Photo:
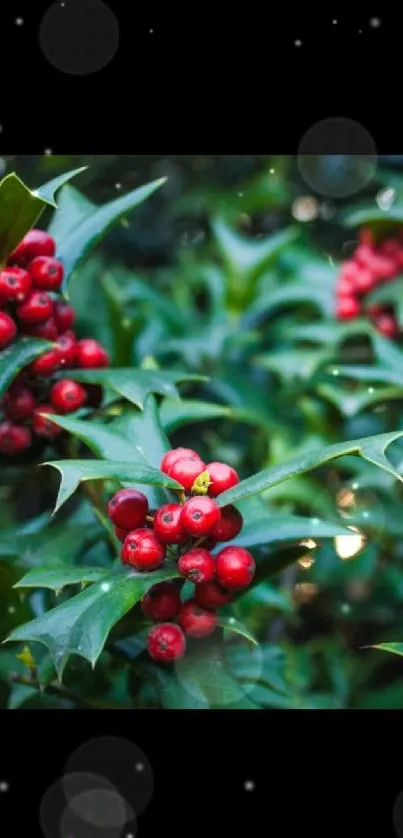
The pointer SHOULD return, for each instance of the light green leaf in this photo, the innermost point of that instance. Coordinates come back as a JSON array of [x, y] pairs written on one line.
[[74, 472], [230, 624], [370, 448], [21, 208], [90, 229], [101, 439], [246, 257], [136, 385], [371, 214], [17, 356], [175, 413], [72, 208], [81, 625], [59, 577]]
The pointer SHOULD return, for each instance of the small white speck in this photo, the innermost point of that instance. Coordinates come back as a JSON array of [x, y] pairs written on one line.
[[315, 522], [19, 21], [151, 31], [249, 785], [4, 786], [48, 152], [371, 390], [334, 22], [355, 486], [105, 586], [240, 194], [231, 621], [298, 43], [11, 609], [139, 766], [360, 31], [118, 185], [335, 372], [375, 22], [365, 514], [271, 171]]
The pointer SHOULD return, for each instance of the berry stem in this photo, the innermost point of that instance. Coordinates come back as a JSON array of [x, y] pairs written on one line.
[[150, 519], [198, 542]]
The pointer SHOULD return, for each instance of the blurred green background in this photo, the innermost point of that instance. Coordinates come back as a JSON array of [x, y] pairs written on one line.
[[229, 270]]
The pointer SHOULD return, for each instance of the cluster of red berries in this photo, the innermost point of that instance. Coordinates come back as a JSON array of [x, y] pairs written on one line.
[[370, 266], [29, 306], [185, 532]]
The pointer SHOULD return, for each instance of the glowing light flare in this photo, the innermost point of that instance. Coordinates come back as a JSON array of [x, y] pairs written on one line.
[[348, 546]]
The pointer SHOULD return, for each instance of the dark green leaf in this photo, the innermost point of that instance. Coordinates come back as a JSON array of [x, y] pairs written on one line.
[[136, 385], [17, 356], [73, 472], [22, 207], [101, 439], [90, 229], [278, 528], [58, 578], [81, 625], [371, 449]]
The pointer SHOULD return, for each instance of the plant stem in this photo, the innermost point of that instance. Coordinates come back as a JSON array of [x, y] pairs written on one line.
[[52, 689]]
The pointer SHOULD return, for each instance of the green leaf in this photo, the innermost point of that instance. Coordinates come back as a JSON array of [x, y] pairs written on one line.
[[144, 428], [371, 214], [72, 208], [59, 577], [136, 385], [279, 528], [17, 356], [370, 448], [101, 439], [21, 208], [175, 413], [73, 247], [246, 257], [394, 648], [230, 624], [203, 672], [81, 625], [74, 472]]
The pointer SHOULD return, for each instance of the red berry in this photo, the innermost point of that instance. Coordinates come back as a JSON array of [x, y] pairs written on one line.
[[344, 288], [36, 308], [162, 602], [168, 527], [387, 326], [90, 354], [366, 236], [67, 396], [212, 595], [121, 534], [375, 310], [128, 509], [348, 308], [19, 403], [383, 266], [47, 330], [35, 243], [14, 439], [196, 621], [64, 316], [142, 550], [166, 643], [229, 526], [349, 271], [8, 329], [185, 471], [200, 515], [45, 427], [364, 256], [47, 364], [15, 284], [46, 273], [177, 454], [365, 281], [222, 478], [197, 565], [235, 568], [67, 349]]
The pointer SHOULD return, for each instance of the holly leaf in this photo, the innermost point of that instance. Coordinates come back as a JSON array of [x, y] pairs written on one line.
[[372, 449], [57, 578], [278, 528], [136, 385], [102, 440], [22, 207], [17, 356], [393, 648], [245, 257], [74, 472], [89, 230], [234, 626], [81, 625]]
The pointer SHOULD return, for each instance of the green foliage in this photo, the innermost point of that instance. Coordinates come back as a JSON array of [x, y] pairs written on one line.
[[227, 345]]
